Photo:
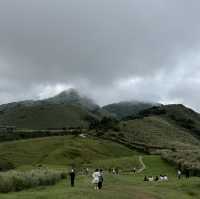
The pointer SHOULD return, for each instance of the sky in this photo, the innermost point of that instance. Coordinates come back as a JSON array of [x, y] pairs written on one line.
[[109, 50]]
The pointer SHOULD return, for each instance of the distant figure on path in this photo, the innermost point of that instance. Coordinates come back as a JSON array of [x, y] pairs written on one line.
[[114, 171], [72, 177], [156, 178], [117, 171], [86, 171], [151, 179], [179, 173], [95, 179], [146, 179], [161, 177], [165, 178], [100, 183]]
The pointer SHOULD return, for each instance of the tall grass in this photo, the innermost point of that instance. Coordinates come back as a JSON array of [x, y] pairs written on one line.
[[17, 181]]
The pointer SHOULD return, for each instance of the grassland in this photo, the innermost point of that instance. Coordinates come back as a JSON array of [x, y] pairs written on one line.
[[120, 187], [63, 151], [158, 131]]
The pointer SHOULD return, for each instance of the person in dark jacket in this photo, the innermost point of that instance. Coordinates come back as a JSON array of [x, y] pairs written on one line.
[[72, 177], [100, 183]]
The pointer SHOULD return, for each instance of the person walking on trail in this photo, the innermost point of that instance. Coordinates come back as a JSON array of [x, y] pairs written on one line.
[[72, 177], [95, 179], [100, 183], [86, 171], [179, 174]]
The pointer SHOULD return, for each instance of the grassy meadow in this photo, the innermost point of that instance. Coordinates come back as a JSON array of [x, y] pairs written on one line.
[[62, 151], [127, 186]]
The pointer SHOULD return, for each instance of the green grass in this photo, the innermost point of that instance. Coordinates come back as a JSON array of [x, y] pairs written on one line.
[[156, 130], [119, 187], [62, 151], [123, 163]]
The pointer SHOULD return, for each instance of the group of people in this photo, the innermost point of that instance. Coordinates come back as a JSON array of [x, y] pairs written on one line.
[[97, 178], [157, 178]]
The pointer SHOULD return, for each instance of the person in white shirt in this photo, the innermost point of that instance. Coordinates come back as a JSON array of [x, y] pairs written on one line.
[[95, 179], [179, 174], [161, 177], [165, 178], [151, 179]]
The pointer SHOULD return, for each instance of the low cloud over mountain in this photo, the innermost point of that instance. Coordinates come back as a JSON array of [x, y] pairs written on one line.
[[109, 50]]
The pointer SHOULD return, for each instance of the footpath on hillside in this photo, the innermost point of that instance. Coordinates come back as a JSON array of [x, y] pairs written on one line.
[[143, 166]]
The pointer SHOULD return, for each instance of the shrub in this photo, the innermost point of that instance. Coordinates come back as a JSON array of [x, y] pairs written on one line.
[[17, 181]]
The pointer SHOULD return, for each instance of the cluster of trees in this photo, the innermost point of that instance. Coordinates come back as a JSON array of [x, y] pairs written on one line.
[[28, 134], [106, 123]]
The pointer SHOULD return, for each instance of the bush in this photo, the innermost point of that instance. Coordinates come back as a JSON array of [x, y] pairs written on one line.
[[17, 181]]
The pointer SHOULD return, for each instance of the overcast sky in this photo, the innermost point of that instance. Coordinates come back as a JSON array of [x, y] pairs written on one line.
[[110, 50]]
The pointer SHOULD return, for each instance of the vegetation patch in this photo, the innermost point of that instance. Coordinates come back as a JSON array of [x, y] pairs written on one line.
[[17, 181]]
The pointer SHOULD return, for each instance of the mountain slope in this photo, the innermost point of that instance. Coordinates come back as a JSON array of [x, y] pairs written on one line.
[[172, 131], [124, 109], [68, 109], [63, 151]]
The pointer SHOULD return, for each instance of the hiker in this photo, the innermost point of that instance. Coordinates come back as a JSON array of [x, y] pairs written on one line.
[[86, 171], [151, 179], [165, 178], [134, 170], [100, 183], [117, 171], [156, 178], [179, 173], [114, 171], [145, 179], [95, 179], [161, 177], [72, 177]]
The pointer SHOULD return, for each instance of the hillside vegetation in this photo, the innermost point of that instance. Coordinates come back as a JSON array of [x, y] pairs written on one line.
[[172, 131], [66, 110], [63, 151], [124, 109], [120, 187]]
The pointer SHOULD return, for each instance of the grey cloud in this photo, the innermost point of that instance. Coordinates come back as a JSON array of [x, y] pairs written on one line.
[[94, 45]]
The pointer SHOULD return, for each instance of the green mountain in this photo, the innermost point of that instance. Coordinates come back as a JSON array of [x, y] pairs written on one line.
[[172, 131], [67, 109], [124, 109]]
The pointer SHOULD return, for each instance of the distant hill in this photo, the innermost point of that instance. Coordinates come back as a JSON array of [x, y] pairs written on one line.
[[177, 114], [124, 109], [67, 109], [172, 131]]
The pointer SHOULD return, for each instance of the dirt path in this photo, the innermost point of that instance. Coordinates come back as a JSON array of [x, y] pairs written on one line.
[[143, 166]]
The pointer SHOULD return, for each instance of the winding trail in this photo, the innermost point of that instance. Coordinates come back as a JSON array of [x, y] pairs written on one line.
[[142, 163]]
